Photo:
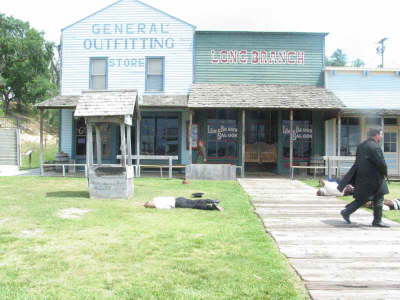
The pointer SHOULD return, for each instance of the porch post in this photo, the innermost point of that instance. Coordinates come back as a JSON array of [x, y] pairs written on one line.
[[383, 133], [291, 144], [339, 134], [243, 142], [98, 144], [339, 138], [89, 143], [129, 141], [190, 136], [138, 144], [123, 144], [41, 155]]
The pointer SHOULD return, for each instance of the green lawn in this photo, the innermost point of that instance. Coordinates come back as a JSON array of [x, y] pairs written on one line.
[[49, 154], [394, 188], [120, 250]]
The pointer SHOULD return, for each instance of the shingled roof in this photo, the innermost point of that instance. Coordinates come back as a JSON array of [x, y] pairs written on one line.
[[59, 102], [165, 100], [106, 103], [262, 96]]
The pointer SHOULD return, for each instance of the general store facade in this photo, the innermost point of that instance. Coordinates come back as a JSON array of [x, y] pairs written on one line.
[[238, 93]]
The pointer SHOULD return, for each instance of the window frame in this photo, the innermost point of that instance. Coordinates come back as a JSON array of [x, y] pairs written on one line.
[[91, 59], [155, 137], [346, 125], [147, 90]]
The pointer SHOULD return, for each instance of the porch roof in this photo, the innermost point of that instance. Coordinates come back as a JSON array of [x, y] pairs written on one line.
[[106, 103], [59, 102], [262, 96], [165, 100], [371, 111]]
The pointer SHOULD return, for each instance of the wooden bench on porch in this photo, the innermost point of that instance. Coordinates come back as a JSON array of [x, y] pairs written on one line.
[[169, 158]]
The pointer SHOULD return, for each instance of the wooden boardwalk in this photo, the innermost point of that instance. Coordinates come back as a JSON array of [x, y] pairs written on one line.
[[336, 260]]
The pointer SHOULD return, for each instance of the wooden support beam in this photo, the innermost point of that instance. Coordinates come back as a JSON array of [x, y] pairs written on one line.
[[129, 142], [98, 145], [138, 121], [339, 140], [190, 136], [383, 133], [41, 155], [339, 133], [89, 143], [243, 142], [123, 144], [291, 143]]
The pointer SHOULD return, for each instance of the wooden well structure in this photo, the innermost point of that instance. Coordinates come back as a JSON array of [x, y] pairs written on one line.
[[109, 181]]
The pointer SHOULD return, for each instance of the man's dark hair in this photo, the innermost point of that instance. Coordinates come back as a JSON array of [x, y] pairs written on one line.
[[373, 132]]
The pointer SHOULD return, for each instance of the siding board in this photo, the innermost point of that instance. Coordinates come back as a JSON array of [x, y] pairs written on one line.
[[308, 73], [376, 90]]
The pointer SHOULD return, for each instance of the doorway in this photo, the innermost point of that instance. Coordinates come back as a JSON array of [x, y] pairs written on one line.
[[261, 141]]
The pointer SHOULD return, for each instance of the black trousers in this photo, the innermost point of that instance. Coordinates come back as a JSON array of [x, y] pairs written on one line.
[[205, 204], [377, 201]]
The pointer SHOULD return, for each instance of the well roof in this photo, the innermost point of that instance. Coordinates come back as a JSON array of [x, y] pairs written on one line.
[[106, 103]]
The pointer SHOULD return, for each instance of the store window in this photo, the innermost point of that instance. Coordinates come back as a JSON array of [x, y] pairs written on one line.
[[222, 135], [80, 138], [98, 73], [154, 74], [302, 134], [390, 121], [390, 142], [350, 136], [160, 135]]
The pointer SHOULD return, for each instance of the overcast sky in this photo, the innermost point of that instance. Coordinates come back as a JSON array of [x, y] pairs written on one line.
[[353, 26]]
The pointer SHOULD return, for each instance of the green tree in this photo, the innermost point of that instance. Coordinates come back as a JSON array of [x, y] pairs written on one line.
[[358, 63], [26, 64], [337, 59]]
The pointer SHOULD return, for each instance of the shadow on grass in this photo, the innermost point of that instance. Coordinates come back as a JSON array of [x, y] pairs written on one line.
[[68, 194]]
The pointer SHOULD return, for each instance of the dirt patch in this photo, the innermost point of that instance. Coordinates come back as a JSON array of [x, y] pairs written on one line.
[[72, 213], [2, 221], [29, 233]]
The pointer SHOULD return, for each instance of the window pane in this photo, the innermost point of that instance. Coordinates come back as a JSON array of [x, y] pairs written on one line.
[[98, 82], [154, 83], [99, 67], [155, 66]]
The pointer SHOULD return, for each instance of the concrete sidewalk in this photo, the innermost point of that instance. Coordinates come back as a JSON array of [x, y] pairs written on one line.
[[336, 260]]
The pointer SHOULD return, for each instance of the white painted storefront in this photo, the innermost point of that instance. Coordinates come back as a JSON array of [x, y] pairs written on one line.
[[127, 35], [372, 97]]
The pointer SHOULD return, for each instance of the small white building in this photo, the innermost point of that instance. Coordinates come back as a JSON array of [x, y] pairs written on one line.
[[372, 99]]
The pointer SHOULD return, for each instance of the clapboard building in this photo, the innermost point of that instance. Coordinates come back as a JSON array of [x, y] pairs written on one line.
[[234, 97], [372, 100]]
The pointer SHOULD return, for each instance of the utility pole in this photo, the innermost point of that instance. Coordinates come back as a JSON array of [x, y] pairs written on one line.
[[380, 50]]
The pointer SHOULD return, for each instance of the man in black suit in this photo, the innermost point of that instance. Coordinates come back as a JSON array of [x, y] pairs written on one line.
[[367, 175]]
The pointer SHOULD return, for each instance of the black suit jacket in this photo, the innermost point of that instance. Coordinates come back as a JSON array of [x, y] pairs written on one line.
[[368, 173]]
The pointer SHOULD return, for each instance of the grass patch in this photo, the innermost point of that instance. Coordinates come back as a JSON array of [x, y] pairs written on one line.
[[49, 154], [120, 250], [394, 189]]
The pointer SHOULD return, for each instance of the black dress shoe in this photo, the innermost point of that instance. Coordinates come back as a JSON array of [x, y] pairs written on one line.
[[345, 216], [381, 224]]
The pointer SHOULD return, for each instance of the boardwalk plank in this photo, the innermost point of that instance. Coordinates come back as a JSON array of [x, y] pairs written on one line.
[[336, 260]]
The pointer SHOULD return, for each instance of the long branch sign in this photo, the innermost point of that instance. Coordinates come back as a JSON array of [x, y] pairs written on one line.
[[257, 57]]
